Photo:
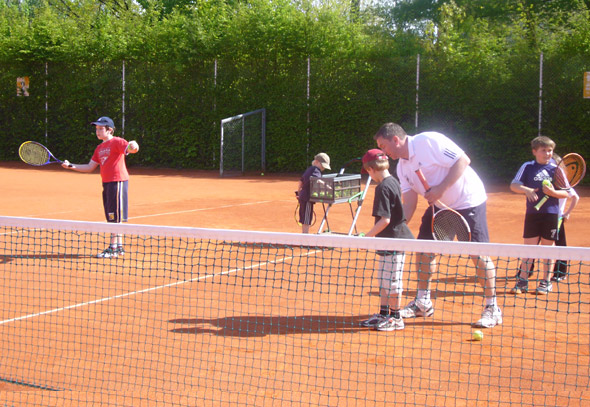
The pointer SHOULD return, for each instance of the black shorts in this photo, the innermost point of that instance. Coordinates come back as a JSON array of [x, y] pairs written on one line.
[[540, 225], [476, 218], [114, 200], [306, 212]]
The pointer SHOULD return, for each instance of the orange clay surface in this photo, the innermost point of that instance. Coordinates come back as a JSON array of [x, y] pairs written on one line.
[[267, 203]]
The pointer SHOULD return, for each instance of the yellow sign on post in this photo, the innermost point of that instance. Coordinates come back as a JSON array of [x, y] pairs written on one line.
[[586, 85]]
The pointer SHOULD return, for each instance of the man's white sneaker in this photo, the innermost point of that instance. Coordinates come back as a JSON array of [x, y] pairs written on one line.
[[490, 317], [417, 308]]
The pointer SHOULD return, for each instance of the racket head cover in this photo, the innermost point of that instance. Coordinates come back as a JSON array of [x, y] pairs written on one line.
[[573, 167]]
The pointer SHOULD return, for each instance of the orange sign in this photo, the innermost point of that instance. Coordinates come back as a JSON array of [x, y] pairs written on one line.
[[22, 86], [586, 85]]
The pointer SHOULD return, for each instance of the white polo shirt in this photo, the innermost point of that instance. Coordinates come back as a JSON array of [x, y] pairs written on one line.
[[435, 154]]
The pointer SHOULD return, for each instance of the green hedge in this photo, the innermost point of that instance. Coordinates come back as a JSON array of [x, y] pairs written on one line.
[[174, 111]]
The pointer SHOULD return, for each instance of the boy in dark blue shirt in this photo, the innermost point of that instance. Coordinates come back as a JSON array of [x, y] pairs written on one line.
[[320, 163], [540, 226]]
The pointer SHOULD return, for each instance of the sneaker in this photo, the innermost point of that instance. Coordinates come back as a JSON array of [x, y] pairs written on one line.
[[374, 320], [544, 288], [390, 324], [521, 287], [557, 277], [109, 252], [490, 317], [413, 310], [120, 251]]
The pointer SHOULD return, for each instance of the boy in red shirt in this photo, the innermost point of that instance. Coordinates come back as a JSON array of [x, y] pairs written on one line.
[[110, 156]]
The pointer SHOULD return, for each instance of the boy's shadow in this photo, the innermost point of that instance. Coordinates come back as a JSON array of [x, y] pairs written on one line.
[[4, 258], [259, 326]]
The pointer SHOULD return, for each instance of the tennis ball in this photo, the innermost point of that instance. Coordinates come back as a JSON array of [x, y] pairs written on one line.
[[546, 182], [261, 174], [477, 335]]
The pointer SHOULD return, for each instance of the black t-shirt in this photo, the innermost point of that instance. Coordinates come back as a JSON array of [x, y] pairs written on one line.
[[388, 204]]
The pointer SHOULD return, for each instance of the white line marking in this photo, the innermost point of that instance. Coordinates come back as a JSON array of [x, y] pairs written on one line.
[[205, 277]]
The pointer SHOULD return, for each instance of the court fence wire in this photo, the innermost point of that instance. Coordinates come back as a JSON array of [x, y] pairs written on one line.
[[192, 316]]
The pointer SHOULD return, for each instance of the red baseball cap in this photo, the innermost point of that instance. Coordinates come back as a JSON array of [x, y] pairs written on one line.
[[374, 154]]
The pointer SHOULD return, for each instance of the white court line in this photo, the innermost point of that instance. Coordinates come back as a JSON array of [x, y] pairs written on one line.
[[205, 277]]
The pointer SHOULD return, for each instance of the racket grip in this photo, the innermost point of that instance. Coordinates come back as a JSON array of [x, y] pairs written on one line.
[[541, 202]]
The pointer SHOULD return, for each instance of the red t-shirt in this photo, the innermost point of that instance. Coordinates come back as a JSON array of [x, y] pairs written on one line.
[[110, 155]]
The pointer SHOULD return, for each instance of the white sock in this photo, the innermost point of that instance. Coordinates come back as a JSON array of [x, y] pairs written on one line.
[[423, 295]]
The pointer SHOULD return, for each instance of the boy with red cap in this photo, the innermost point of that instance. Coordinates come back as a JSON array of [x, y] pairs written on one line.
[[389, 222]]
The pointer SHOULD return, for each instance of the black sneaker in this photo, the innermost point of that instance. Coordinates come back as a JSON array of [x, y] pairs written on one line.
[[521, 287], [374, 321]]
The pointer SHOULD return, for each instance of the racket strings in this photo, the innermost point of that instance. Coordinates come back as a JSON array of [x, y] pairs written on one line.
[[561, 177], [448, 225], [33, 154]]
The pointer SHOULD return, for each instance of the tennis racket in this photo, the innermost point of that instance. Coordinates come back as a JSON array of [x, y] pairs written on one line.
[[37, 154], [570, 170], [296, 215], [447, 223]]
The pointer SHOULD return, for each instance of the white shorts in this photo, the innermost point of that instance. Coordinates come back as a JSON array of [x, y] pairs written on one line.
[[391, 269]]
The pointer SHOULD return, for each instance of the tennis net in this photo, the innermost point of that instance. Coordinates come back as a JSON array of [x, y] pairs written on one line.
[[193, 316]]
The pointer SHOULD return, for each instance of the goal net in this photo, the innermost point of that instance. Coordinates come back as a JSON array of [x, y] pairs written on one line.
[[243, 143]]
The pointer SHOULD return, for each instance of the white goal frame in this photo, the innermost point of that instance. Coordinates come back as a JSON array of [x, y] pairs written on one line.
[[241, 119]]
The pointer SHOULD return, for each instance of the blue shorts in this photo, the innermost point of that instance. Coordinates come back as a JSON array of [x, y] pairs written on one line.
[[114, 200], [476, 218]]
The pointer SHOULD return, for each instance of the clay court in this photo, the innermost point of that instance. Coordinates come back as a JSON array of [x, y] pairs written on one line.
[[529, 360]]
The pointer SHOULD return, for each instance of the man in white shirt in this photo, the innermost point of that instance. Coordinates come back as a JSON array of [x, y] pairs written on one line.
[[455, 184]]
